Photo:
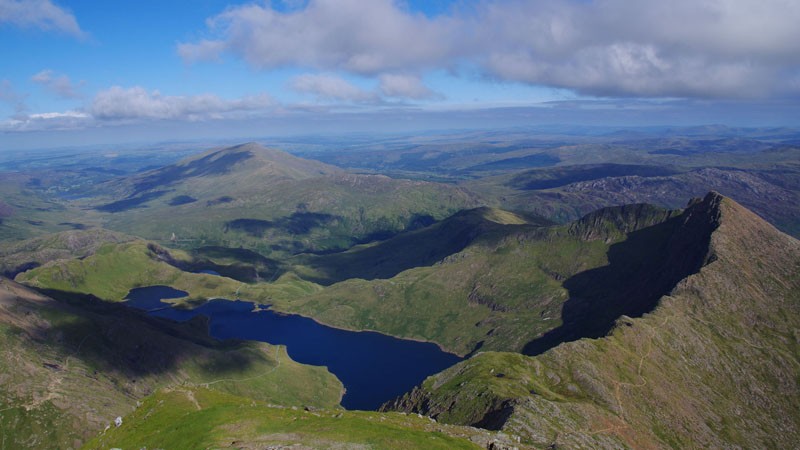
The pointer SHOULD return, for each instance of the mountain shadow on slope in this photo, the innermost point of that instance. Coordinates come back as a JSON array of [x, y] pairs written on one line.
[[240, 264], [131, 202], [181, 200], [116, 339], [216, 163], [641, 269], [421, 247]]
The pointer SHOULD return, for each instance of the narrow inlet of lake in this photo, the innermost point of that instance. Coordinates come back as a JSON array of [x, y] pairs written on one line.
[[373, 367]]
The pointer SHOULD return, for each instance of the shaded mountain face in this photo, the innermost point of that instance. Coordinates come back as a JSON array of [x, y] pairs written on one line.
[[416, 248], [641, 269], [713, 365]]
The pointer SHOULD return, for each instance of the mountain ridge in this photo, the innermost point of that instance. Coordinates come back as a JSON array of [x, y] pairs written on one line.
[[680, 376]]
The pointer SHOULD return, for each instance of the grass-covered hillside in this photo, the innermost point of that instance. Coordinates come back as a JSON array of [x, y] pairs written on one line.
[[70, 366], [481, 279], [268, 201], [202, 418], [19, 256], [713, 366]]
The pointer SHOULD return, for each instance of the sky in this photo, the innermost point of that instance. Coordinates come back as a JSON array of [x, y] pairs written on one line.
[[89, 72]]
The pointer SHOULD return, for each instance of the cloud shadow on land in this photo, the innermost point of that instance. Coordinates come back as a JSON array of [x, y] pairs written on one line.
[[298, 223]]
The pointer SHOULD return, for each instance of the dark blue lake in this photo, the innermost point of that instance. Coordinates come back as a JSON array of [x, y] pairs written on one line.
[[373, 367]]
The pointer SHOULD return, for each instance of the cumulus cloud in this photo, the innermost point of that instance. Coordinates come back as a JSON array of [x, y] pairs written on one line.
[[47, 121], [41, 14], [353, 35], [649, 48], [331, 87], [61, 85], [118, 103], [405, 86]]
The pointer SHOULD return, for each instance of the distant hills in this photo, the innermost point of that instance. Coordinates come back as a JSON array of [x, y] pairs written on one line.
[[597, 305], [268, 200], [714, 287], [567, 192]]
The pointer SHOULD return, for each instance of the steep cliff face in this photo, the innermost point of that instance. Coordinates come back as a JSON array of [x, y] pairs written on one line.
[[714, 365], [658, 249]]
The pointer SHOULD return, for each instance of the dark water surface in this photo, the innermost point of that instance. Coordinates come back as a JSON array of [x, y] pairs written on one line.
[[373, 367]]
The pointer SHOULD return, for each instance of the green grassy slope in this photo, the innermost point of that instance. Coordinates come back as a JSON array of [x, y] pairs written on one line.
[[417, 248], [500, 292], [714, 366], [18, 256], [115, 269], [201, 418], [70, 367], [481, 278]]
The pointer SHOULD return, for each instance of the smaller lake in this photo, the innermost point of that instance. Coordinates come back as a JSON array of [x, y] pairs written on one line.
[[373, 367]]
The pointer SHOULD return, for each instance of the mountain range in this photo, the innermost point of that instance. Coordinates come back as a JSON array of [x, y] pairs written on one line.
[[630, 325]]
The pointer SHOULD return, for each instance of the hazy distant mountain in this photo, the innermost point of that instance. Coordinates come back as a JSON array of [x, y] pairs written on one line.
[[268, 200]]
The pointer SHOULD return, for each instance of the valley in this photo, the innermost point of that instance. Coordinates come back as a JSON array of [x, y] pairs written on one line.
[[580, 289]]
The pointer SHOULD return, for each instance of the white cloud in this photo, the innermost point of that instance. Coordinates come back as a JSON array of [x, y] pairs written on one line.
[[118, 103], [61, 85], [364, 37], [60, 115], [331, 87], [68, 120], [405, 86], [41, 14], [653, 48]]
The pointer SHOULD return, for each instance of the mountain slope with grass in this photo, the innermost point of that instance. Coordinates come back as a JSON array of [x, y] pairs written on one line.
[[203, 418], [269, 201], [484, 278], [19, 256], [70, 366], [515, 282], [714, 365]]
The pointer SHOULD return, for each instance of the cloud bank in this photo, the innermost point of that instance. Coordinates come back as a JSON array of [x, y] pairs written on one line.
[[636, 48], [40, 14], [118, 103]]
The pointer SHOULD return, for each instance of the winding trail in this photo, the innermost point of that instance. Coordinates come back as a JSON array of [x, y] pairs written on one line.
[[619, 384]]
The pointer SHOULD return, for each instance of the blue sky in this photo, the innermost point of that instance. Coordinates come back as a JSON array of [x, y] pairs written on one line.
[[91, 72]]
